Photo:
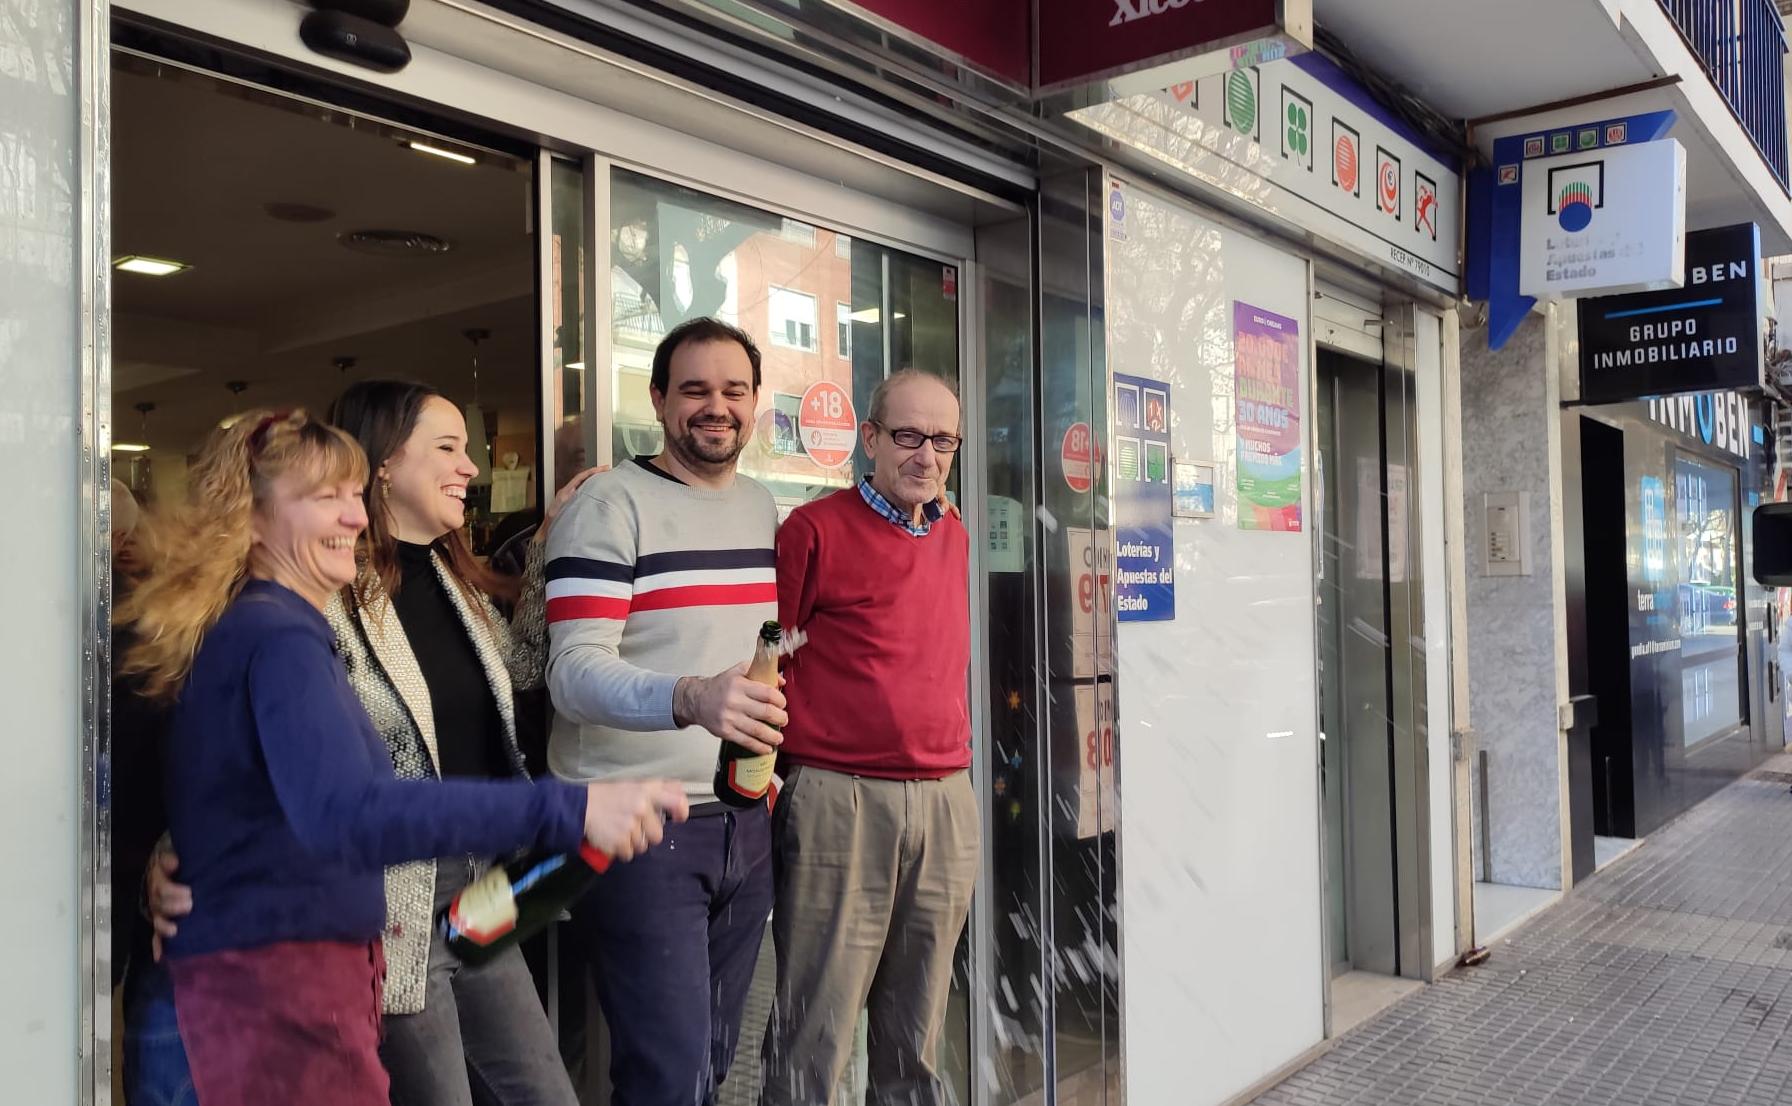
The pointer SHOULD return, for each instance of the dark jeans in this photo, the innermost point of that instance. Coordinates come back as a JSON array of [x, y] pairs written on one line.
[[155, 1062], [482, 1036], [674, 937]]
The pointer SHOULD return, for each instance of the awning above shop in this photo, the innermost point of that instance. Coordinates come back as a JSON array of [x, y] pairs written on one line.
[[1300, 140], [1527, 65]]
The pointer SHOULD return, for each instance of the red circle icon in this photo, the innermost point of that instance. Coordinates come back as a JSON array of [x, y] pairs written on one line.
[[1344, 163], [827, 424], [1076, 455], [1390, 187]]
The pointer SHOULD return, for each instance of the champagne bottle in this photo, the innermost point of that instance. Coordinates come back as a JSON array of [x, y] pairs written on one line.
[[743, 778], [514, 901]]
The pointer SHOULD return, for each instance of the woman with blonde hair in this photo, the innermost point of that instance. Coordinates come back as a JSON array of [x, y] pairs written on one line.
[[282, 802]]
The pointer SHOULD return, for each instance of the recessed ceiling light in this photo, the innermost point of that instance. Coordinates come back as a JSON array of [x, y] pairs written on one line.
[[394, 243], [425, 148], [150, 266], [129, 447]]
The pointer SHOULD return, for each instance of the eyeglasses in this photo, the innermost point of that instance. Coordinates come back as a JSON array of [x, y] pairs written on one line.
[[910, 438]]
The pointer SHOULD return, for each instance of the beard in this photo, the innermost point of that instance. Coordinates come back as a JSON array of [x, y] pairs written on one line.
[[693, 449]]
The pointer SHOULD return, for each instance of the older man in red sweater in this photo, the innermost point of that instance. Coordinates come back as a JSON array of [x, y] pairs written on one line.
[[875, 834]]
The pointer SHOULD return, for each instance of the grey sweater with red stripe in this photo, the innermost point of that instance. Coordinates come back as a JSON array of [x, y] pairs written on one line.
[[648, 580]]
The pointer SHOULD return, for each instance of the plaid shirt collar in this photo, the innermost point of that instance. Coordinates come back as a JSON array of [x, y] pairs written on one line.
[[930, 512]]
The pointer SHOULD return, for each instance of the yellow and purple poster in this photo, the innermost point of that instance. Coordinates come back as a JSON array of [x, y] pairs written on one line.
[[1266, 359]]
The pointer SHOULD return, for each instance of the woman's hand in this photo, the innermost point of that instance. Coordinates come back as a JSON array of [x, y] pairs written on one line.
[[625, 818], [164, 899], [562, 498]]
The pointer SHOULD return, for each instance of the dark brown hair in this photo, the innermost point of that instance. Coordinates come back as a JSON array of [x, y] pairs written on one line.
[[381, 415], [696, 332]]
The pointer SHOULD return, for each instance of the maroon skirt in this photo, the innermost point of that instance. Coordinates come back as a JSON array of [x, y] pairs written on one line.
[[294, 1022]]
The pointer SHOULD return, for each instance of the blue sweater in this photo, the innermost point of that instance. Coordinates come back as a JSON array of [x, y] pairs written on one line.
[[281, 797]]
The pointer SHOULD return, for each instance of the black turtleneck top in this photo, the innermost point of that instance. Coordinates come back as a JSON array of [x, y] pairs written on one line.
[[468, 731]]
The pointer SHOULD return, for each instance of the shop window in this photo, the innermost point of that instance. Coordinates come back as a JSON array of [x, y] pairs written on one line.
[[1709, 598], [792, 319], [801, 233], [677, 253]]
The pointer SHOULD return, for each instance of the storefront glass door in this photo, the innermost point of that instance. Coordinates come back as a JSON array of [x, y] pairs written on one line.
[[833, 314], [1372, 699], [1354, 668]]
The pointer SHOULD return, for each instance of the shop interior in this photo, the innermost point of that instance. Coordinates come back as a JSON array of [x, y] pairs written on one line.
[[313, 249]]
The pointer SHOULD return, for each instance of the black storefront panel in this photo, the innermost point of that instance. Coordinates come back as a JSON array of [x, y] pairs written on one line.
[[1692, 725], [1706, 336]]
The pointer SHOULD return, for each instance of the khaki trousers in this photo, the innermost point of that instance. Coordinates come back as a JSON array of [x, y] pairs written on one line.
[[874, 883]]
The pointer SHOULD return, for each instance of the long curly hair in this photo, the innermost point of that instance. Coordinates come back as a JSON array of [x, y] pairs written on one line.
[[197, 552]]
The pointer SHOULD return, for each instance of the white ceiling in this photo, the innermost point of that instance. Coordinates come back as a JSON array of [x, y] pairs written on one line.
[[1470, 61], [271, 303]]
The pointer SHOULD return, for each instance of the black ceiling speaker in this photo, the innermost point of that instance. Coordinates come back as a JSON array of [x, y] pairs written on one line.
[[387, 13], [355, 40]]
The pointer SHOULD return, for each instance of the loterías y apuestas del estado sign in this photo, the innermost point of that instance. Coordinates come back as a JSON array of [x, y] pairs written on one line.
[[1704, 336]]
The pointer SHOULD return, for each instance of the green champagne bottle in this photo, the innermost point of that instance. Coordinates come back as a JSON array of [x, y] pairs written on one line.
[[743, 778], [516, 900]]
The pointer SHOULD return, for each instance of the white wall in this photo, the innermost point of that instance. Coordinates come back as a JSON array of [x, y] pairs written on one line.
[[1510, 444], [40, 646], [1428, 366], [1220, 825]]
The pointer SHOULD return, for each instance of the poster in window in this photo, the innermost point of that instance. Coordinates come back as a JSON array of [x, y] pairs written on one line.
[[1266, 354], [1145, 532]]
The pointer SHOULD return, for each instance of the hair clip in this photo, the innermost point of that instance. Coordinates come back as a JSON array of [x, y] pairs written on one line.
[[258, 436]]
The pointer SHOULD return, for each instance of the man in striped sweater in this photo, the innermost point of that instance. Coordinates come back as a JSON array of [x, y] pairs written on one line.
[[660, 572]]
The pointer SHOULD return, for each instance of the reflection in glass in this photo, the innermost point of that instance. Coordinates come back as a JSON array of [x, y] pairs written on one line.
[[832, 316], [1009, 991], [1705, 555], [676, 254], [567, 299]]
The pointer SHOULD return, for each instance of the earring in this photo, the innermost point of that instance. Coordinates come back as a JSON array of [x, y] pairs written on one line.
[[385, 487]]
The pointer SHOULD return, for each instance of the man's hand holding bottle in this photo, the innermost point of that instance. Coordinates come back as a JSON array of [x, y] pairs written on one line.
[[733, 707]]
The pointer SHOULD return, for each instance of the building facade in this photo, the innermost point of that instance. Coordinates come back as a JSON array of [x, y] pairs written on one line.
[[1252, 714]]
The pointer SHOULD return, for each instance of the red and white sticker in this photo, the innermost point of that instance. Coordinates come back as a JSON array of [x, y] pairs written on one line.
[[827, 424], [1077, 456], [949, 283]]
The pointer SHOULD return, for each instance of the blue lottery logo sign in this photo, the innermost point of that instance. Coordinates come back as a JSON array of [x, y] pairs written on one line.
[[1576, 191], [1603, 222]]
